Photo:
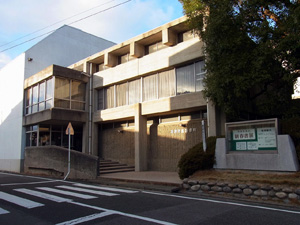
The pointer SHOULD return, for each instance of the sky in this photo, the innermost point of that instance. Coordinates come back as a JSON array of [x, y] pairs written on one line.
[[115, 20]]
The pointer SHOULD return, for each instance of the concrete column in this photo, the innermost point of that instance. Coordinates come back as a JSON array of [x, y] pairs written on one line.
[[140, 140], [211, 119], [110, 60]]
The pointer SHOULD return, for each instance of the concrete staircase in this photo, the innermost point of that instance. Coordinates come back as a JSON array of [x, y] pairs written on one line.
[[108, 166]]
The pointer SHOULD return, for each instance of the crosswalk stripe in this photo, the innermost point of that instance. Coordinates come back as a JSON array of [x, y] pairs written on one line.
[[86, 218], [83, 196], [88, 191], [43, 195], [3, 211], [106, 188], [19, 201]]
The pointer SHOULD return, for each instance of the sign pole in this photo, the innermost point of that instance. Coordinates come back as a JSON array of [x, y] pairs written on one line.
[[204, 136], [69, 131]]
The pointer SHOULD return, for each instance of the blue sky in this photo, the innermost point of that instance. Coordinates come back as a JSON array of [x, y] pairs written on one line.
[[116, 23]]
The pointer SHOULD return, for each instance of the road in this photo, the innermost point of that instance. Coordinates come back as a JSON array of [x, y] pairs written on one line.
[[36, 200]]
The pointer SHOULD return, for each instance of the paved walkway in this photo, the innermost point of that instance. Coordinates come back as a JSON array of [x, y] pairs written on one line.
[[154, 177]]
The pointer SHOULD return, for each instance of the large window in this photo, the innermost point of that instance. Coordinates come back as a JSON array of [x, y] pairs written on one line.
[[68, 94], [39, 97], [182, 80], [190, 78]]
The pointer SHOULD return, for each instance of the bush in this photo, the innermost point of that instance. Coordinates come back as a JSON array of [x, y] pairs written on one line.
[[196, 159], [291, 127]]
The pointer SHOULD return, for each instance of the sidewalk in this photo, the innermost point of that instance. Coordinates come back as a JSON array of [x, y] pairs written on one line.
[[150, 180]]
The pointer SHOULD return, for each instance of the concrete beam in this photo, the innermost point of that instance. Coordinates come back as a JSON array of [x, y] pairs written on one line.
[[169, 37], [110, 60], [137, 50]]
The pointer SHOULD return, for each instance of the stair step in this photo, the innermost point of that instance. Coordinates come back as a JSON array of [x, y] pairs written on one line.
[[117, 171], [116, 168], [109, 166]]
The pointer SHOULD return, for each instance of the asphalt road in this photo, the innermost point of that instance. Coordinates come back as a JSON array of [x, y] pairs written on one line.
[[35, 200]]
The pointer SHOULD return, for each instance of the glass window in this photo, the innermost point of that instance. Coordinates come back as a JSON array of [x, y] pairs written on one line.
[[49, 91], [166, 83], [78, 90], [28, 103], [150, 87], [185, 79], [62, 88], [121, 94], [109, 97], [35, 94], [200, 74], [42, 96], [100, 99], [134, 91]]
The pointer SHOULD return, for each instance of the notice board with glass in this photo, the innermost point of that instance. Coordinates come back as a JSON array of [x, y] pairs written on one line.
[[252, 135]]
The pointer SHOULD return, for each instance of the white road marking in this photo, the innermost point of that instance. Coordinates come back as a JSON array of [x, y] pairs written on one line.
[[86, 218], [124, 214], [43, 195], [224, 202], [74, 194], [3, 211], [106, 188], [19, 201], [87, 191]]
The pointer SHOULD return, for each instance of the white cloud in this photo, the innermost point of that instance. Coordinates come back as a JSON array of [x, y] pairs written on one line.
[[4, 59]]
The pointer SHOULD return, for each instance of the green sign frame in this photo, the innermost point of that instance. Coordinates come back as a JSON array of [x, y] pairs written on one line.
[[258, 135]]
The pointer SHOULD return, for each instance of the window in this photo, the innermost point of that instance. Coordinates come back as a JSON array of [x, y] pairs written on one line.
[[190, 78], [185, 79], [185, 36], [121, 94], [134, 89], [166, 84], [69, 94], [154, 47], [109, 97], [39, 97], [150, 88], [77, 95], [62, 93]]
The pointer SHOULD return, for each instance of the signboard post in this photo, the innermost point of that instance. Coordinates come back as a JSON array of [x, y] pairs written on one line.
[[204, 136], [69, 132]]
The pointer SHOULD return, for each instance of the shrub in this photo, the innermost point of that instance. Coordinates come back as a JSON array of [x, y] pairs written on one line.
[[196, 159]]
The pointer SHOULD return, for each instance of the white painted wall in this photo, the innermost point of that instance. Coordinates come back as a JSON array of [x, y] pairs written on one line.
[[11, 108]]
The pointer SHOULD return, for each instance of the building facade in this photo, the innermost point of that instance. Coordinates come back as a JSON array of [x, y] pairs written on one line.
[[63, 47], [139, 102]]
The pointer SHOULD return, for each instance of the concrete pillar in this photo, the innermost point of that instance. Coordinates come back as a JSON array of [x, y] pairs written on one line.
[[211, 119], [140, 140]]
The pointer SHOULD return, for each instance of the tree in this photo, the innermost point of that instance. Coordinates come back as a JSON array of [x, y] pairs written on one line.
[[252, 53]]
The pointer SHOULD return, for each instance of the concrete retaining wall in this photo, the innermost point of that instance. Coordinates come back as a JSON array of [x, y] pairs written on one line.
[[53, 160]]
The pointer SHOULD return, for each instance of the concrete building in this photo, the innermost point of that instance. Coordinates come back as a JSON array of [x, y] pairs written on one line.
[[63, 47], [139, 102]]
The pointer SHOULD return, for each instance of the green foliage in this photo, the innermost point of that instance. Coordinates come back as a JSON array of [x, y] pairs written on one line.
[[196, 159], [291, 126], [253, 50]]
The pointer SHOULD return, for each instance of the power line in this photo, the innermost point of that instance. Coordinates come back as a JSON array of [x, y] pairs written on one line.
[[101, 11]]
